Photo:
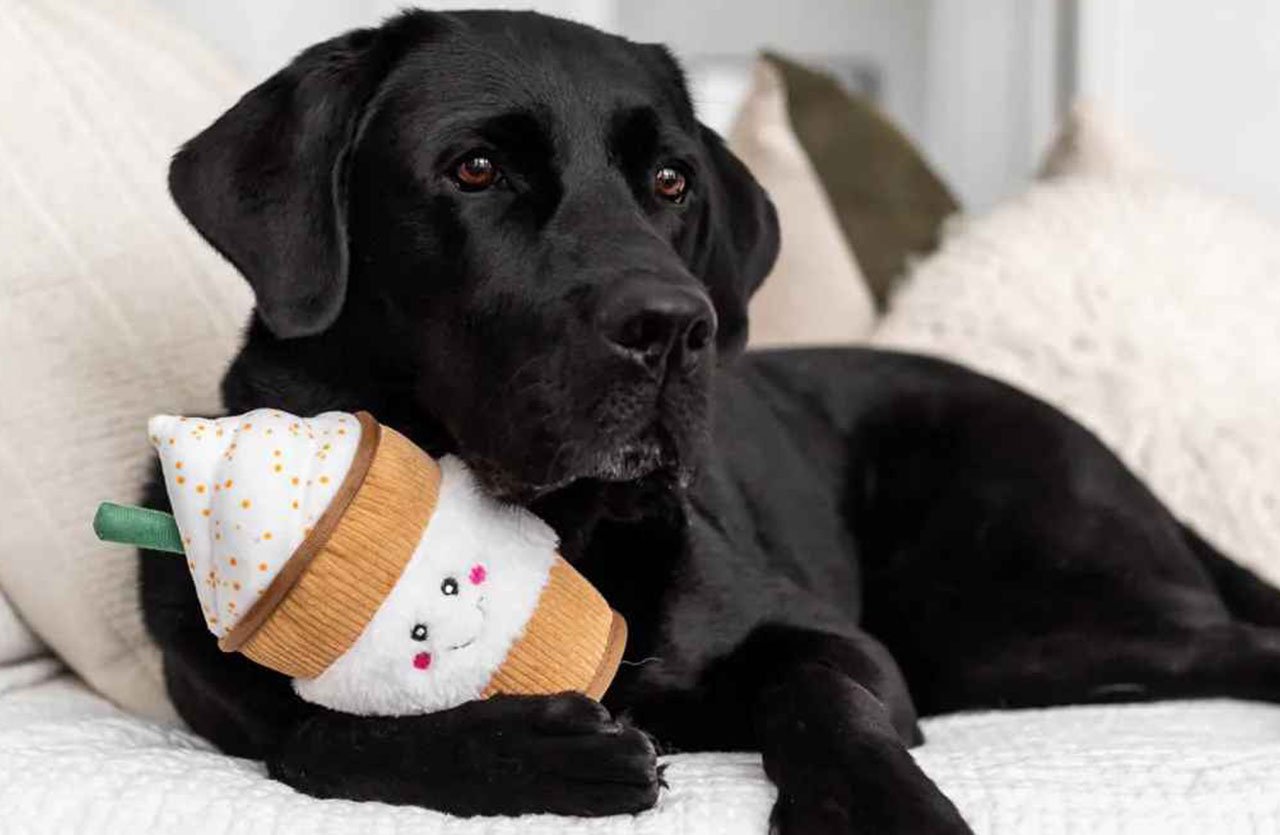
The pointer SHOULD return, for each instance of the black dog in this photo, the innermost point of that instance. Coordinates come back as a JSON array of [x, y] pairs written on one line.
[[507, 236]]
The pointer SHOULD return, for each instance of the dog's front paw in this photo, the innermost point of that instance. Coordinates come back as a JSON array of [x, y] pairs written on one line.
[[565, 754], [508, 755], [836, 802], [841, 767]]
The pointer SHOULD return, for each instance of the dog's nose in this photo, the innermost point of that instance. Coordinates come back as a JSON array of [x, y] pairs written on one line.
[[657, 324]]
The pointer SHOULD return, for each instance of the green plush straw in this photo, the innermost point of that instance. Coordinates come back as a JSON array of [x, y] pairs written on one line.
[[154, 530]]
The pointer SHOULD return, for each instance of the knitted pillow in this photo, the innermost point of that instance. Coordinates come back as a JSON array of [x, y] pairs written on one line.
[[1144, 308]]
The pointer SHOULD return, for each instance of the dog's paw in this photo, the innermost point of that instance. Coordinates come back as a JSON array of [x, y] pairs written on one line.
[[837, 802], [563, 754], [508, 755]]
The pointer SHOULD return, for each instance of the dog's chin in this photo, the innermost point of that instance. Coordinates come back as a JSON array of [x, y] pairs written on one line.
[[634, 458], [653, 451]]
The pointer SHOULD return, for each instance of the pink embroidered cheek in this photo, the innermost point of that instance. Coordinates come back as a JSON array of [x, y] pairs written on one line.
[[422, 660], [478, 574]]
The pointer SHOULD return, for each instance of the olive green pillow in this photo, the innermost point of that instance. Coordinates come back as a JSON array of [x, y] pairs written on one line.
[[889, 202]]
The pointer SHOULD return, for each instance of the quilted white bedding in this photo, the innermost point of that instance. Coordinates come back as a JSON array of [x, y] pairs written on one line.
[[70, 762]]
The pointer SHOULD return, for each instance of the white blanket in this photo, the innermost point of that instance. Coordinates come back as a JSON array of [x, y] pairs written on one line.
[[70, 762]]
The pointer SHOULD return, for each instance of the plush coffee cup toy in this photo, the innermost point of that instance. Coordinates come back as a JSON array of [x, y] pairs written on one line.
[[334, 550]]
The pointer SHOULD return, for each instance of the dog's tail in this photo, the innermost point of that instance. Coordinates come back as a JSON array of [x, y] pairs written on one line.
[[1248, 596]]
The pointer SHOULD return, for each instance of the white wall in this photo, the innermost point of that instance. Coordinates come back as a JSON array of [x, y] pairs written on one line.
[[992, 93], [1197, 82]]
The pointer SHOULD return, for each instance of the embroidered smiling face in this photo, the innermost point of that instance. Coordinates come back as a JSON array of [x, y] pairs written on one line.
[[455, 621], [464, 598]]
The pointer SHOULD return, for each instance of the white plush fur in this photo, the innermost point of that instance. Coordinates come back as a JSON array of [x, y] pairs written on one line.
[[470, 633], [1145, 309]]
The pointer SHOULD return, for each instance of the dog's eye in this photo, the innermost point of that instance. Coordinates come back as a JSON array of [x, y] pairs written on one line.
[[670, 183], [419, 632], [476, 172], [449, 587]]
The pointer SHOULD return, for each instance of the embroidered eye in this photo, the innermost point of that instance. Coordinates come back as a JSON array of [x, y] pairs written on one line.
[[449, 587], [419, 632]]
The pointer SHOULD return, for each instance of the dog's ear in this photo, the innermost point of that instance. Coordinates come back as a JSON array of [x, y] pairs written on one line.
[[732, 240], [736, 241], [265, 183]]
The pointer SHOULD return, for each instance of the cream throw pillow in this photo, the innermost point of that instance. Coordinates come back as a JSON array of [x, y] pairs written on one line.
[[1144, 308], [111, 309], [1091, 143], [17, 642], [815, 293]]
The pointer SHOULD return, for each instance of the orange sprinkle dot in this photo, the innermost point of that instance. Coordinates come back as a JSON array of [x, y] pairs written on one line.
[[295, 481], [246, 504], [172, 442], [324, 479], [227, 484], [218, 433], [246, 427], [205, 512], [266, 535], [232, 561], [342, 431], [277, 453], [236, 585], [295, 504], [199, 488], [182, 479], [262, 566], [177, 465]]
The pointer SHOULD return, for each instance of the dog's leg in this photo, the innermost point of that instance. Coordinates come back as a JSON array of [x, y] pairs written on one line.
[[1248, 596], [507, 755], [833, 719]]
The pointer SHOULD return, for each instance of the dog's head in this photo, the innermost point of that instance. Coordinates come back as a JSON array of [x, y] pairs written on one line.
[[519, 215]]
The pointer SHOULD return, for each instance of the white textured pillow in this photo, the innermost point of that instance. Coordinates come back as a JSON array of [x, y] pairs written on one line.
[[111, 309], [1144, 308], [815, 294]]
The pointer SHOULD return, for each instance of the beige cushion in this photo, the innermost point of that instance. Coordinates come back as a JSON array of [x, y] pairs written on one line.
[[1144, 308], [111, 309], [1091, 143], [17, 641], [815, 293]]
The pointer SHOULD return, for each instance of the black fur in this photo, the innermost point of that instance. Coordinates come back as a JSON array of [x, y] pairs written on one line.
[[810, 546]]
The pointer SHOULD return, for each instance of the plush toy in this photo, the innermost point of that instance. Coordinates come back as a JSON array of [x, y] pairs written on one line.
[[334, 550]]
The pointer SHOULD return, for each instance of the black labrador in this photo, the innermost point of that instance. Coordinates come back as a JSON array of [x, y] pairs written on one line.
[[507, 236]]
